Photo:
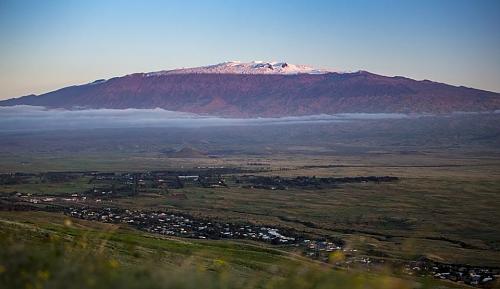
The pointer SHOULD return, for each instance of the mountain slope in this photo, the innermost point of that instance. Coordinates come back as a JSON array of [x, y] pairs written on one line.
[[245, 92]]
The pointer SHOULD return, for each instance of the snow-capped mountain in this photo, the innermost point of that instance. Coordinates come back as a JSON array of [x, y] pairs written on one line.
[[267, 89], [254, 67]]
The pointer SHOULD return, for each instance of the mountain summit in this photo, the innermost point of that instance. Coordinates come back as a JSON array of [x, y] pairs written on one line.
[[238, 67], [270, 89]]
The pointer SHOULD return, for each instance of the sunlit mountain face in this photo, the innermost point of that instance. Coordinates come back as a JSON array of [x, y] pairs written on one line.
[[266, 89]]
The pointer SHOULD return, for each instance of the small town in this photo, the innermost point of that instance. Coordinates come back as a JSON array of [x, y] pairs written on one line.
[[470, 275], [184, 225]]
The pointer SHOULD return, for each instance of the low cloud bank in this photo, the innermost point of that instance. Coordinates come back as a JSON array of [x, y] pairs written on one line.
[[25, 117]]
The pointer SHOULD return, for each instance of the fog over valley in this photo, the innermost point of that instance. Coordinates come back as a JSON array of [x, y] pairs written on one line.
[[25, 117]]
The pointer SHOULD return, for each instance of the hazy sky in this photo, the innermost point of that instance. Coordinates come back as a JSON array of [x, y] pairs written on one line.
[[46, 45]]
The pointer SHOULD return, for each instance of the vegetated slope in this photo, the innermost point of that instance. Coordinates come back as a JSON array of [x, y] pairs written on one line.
[[46, 250], [187, 152]]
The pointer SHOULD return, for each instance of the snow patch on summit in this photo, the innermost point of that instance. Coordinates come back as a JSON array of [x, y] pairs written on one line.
[[237, 67]]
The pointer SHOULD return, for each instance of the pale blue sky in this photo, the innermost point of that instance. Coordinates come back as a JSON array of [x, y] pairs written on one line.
[[45, 45]]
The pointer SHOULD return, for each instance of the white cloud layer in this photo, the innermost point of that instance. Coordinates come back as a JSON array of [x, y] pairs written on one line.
[[25, 117]]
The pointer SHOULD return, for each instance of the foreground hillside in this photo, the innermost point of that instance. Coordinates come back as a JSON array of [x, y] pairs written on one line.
[[226, 92], [46, 250]]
